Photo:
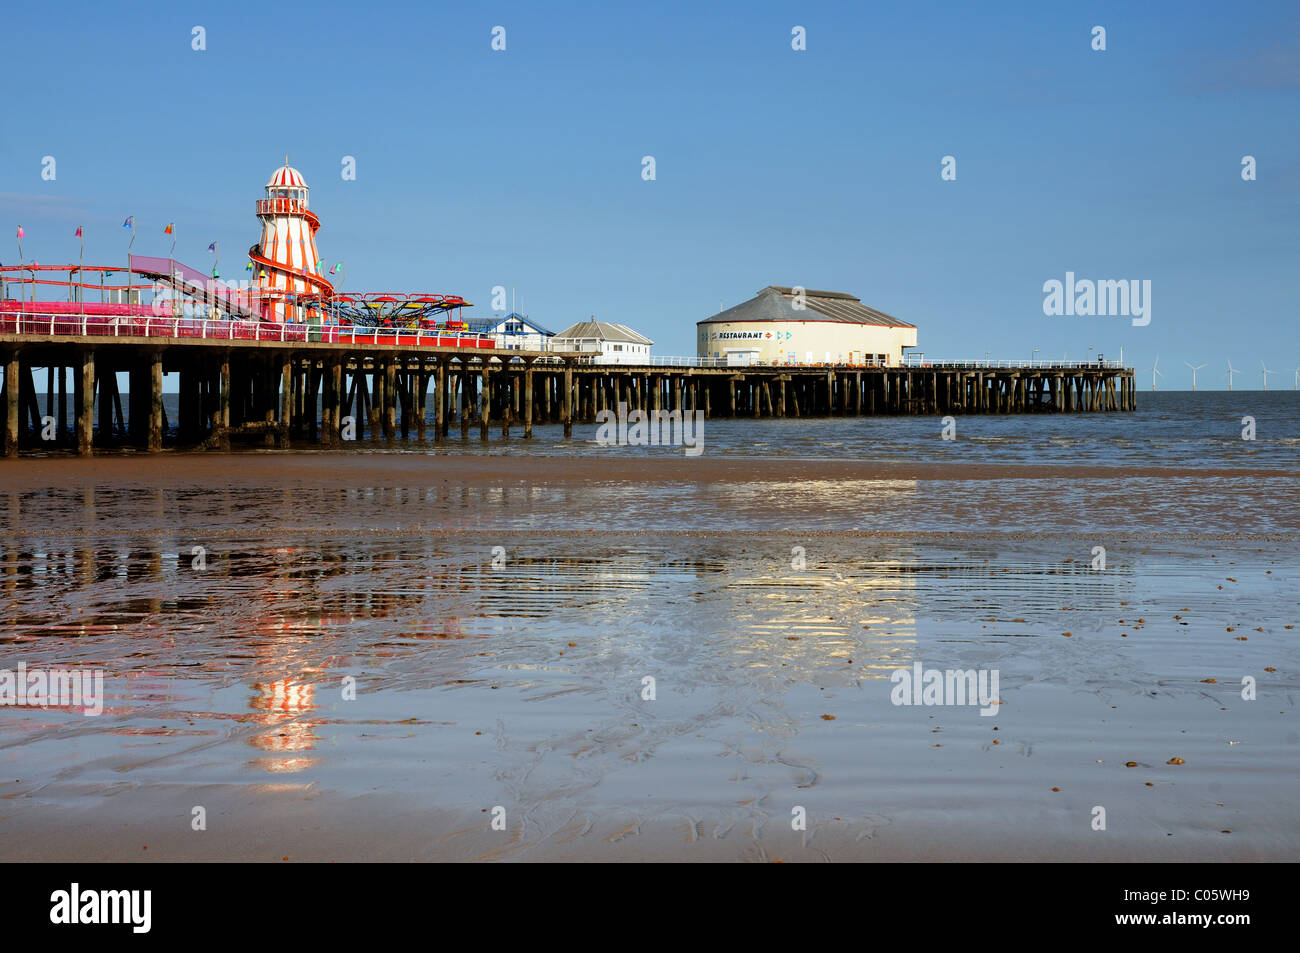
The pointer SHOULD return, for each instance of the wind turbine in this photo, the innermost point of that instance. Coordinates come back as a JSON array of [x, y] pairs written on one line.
[[1155, 372], [1195, 368], [1231, 370], [1265, 373]]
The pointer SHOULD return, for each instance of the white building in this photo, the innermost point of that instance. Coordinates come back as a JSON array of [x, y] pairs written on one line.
[[514, 332], [606, 343], [796, 326]]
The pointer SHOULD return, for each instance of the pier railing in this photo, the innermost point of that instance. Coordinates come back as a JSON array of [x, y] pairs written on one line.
[[914, 361]]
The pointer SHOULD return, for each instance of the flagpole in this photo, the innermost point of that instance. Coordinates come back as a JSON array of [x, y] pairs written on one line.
[[127, 299], [21, 268], [81, 280]]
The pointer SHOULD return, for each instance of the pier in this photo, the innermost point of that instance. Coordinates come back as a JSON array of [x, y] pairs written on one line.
[[272, 384]]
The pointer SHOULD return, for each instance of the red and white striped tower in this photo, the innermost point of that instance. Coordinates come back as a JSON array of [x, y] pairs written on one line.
[[286, 259]]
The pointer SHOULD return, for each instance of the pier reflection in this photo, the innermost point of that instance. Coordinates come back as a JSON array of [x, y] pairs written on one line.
[[282, 706]]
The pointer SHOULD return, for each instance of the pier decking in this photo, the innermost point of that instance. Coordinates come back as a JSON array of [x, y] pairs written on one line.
[[272, 384]]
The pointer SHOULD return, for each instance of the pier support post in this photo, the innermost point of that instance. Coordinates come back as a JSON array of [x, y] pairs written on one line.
[[440, 401], [566, 410], [335, 401], [421, 403], [464, 399], [507, 400], [85, 401], [528, 401], [63, 403], [286, 399], [11, 405], [223, 404], [390, 399], [405, 399], [484, 401], [155, 401]]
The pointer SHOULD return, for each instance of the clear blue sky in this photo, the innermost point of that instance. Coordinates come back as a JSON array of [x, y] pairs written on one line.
[[820, 168]]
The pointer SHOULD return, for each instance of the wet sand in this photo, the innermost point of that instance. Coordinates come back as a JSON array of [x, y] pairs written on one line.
[[326, 469], [520, 685]]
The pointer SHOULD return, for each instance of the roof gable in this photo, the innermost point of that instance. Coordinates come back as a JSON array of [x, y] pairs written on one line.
[[604, 331], [778, 303]]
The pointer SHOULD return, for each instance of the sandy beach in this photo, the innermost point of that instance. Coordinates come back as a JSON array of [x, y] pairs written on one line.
[[769, 609]]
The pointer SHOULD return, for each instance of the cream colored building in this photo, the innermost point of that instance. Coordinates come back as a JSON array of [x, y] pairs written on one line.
[[796, 326], [606, 343]]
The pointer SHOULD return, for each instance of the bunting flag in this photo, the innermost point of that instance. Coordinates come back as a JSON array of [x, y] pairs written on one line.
[[21, 233], [168, 229], [78, 235], [130, 222]]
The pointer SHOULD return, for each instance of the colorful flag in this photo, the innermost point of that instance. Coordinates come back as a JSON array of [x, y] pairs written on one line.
[[248, 267], [78, 235], [320, 265], [336, 267], [21, 233], [130, 222], [168, 229], [212, 247]]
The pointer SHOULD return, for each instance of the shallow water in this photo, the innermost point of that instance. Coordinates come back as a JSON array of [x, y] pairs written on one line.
[[520, 684], [1170, 428]]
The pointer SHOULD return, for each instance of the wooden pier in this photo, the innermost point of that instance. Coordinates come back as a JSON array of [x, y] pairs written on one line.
[[273, 393]]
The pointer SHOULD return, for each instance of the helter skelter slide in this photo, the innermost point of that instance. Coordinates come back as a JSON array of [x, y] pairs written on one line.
[[289, 271], [288, 287]]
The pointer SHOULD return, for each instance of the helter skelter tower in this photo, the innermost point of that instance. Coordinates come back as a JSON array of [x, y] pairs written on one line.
[[286, 261]]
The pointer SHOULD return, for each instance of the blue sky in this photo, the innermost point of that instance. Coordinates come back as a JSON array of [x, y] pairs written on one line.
[[820, 168]]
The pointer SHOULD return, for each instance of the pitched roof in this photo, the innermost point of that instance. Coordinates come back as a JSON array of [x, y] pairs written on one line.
[[777, 303], [603, 331], [495, 322]]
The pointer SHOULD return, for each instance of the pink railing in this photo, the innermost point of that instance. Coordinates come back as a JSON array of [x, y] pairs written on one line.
[[233, 330]]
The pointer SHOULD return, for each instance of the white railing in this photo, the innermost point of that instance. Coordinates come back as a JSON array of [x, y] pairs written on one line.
[[669, 361], [916, 361]]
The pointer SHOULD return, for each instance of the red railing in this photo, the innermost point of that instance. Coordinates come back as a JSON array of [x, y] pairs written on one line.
[[232, 330], [283, 206]]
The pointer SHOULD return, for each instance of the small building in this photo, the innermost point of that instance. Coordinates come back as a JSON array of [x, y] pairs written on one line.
[[606, 343], [783, 325], [514, 332]]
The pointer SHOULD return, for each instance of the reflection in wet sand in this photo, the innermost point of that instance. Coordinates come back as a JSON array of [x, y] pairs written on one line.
[[770, 614], [282, 706]]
